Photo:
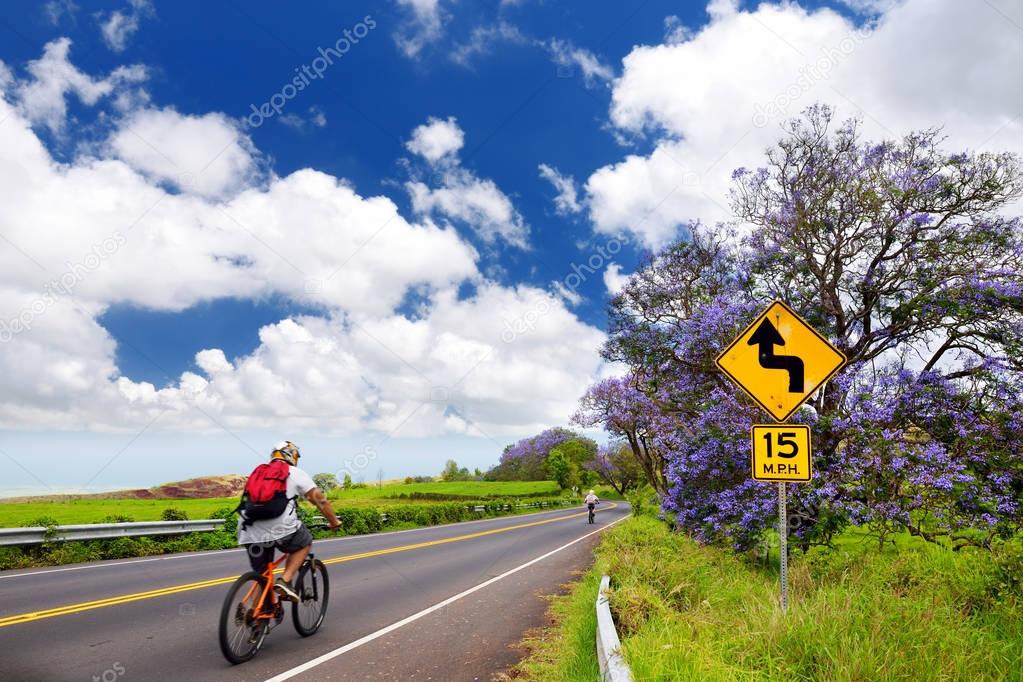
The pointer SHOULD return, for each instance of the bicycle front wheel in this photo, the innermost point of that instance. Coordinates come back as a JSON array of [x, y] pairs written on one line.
[[313, 587], [241, 633]]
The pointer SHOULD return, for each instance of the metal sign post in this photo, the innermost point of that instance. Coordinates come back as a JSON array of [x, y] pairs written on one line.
[[783, 545], [780, 381]]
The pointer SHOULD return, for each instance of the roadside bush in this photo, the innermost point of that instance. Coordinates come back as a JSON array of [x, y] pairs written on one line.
[[116, 518], [359, 520], [223, 513], [45, 521], [13, 557], [218, 540], [122, 548], [644, 501], [172, 514], [68, 553]]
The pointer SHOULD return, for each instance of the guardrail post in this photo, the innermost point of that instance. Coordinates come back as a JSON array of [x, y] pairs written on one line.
[[613, 667]]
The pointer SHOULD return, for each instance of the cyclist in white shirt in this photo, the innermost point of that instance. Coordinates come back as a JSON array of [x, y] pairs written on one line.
[[285, 532]]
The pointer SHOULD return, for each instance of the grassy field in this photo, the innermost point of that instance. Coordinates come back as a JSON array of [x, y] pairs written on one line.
[[95, 511], [688, 612], [467, 489]]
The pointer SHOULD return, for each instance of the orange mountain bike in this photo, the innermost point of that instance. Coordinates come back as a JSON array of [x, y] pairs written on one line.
[[252, 608]]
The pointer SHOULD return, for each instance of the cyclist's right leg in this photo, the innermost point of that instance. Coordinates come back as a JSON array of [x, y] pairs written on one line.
[[260, 555], [297, 545]]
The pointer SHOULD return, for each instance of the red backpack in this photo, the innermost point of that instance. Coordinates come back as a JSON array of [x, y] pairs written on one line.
[[266, 492]]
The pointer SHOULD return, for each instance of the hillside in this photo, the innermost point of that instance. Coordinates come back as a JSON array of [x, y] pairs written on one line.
[[203, 487]]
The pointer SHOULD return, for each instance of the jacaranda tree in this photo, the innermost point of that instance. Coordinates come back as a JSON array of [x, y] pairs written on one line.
[[616, 466], [910, 260], [526, 460]]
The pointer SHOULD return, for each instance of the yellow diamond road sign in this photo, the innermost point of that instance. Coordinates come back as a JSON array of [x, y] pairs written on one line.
[[780, 360], [781, 452]]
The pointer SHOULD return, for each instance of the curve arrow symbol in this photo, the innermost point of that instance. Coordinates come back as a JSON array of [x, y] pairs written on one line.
[[767, 337]]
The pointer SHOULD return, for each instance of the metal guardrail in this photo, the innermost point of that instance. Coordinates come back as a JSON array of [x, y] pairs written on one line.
[[103, 531], [613, 667], [34, 535]]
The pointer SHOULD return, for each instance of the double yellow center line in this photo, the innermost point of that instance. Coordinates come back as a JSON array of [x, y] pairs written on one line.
[[163, 591]]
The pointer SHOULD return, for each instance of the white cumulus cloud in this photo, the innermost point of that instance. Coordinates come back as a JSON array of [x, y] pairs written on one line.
[[207, 155], [43, 97], [614, 279], [715, 100], [119, 26], [436, 138], [424, 24], [567, 200], [569, 56], [458, 194], [115, 225]]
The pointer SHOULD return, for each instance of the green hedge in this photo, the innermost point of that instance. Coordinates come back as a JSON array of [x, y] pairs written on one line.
[[354, 521]]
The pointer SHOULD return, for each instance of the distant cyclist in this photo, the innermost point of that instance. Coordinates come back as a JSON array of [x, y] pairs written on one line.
[[592, 501], [269, 515]]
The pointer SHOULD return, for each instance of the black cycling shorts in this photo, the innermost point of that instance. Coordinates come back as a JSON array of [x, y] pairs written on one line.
[[262, 553]]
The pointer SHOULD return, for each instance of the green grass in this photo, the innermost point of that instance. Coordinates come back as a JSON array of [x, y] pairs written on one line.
[[467, 489], [918, 612], [94, 511], [566, 651]]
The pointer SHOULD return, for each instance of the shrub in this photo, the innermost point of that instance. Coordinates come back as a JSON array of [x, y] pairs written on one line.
[[644, 501], [13, 557], [69, 553], [116, 518], [172, 514], [46, 521]]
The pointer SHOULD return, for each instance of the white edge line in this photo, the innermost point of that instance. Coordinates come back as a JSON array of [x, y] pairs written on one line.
[[308, 665], [189, 555]]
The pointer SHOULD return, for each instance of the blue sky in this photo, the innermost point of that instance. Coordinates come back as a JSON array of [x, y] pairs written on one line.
[[518, 108], [143, 113]]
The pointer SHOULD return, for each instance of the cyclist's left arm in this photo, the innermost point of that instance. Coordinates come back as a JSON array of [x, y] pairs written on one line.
[[305, 486], [320, 501]]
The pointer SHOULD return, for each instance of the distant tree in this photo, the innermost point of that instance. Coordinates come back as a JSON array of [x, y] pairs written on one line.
[[347, 485], [561, 469], [325, 482], [629, 414], [380, 478], [616, 466], [578, 450], [526, 459], [453, 473], [588, 477]]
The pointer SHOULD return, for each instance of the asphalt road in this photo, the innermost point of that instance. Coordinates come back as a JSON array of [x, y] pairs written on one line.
[[440, 603]]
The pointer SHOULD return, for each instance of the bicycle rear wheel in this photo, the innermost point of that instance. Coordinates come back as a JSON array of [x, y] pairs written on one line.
[[241, 633], [313, 587]]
